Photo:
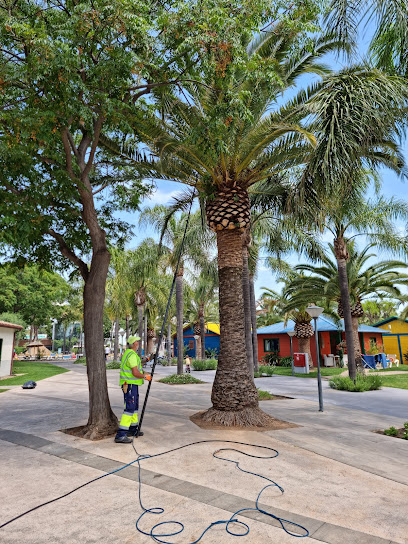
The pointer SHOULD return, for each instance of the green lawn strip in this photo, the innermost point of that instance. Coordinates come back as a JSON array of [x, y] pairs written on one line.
[[400, 381], [32, 371], [284, 371], [3, 390], [403, 368]]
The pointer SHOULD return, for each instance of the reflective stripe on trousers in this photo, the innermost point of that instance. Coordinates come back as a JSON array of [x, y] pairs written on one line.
[[129, 416]]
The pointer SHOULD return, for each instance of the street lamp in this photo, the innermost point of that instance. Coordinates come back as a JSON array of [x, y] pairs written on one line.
[[314, 312], [291, 335], [54, 322], [196, 337]]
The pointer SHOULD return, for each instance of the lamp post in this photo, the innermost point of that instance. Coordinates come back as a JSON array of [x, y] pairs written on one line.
[[314, 312], [196, 337], [54, 322], [291, 335]]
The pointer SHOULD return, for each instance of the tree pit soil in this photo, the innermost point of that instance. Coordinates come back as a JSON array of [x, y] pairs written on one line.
[[275, 424], [400, 433]]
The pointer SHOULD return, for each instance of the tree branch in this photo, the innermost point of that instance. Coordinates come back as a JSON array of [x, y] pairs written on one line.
[[97, 131], [69, 254]]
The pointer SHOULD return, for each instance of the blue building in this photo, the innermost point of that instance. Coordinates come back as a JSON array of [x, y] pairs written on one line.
[[212, 339]]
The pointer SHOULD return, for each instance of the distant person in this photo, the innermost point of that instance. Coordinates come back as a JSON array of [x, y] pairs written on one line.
[[107, 352], [188, 365], [131, 376]]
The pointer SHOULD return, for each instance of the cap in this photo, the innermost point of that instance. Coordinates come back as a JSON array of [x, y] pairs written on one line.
[[132, 339]]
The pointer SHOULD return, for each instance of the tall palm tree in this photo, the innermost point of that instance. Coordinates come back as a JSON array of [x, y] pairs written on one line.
[[364, 280], [222, 139], [351, 136], [196, 243]]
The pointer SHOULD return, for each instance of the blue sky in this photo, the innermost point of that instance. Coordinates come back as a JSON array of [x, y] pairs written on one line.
[[393, 186]]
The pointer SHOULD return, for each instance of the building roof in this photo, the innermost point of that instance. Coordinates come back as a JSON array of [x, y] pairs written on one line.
[[392, 318], [324, 324], [10, 325], [212, 327]]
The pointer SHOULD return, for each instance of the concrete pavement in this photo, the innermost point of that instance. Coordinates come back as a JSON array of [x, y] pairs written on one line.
[[343, 482]]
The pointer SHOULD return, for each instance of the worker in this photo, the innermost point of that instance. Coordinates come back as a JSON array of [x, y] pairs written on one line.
[[131, 376]]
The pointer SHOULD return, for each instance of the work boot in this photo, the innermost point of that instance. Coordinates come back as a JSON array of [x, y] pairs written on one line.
[[123, 440], [133, 430]]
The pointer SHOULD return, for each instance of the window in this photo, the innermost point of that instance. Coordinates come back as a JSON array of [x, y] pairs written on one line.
[[271, 345], [191, 344], [373, 342]]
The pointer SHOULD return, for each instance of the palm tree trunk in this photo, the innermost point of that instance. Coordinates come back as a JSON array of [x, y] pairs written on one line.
[[357, 347], [145, 333], [116, 344], [253, 323], [180, 314], [140, 328], [341, 257], [127, 327], [247, 308], [169, 343], [304, 347], [234, 395], [202, 333], [198, 348]]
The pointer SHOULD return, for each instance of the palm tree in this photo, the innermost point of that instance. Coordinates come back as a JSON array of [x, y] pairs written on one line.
[[351, 136], [378, 279], [196, 242], [222, 139]]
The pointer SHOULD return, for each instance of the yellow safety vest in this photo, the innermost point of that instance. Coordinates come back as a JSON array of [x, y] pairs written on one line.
[[130, 359]]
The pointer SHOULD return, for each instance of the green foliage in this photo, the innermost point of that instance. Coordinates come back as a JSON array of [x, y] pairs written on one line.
[[406, 357], [271, 358], [392, 431], [19, 351], [285, 362], [207, 364], [211, 353], [31, 370], [362, 383], [399, 381], [113, 365], [80, 361], [180, 379], [264, 395]]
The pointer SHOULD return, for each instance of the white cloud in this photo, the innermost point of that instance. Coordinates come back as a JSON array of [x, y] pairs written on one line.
[[159, 196]]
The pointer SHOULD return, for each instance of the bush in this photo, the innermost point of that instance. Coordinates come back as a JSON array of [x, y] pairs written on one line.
[[19, 351], [211, 353], [80, 361], [180, 379], [112, 365], [362, 383], [271, 358], [392, 431], [208, 364], [266, 370], [285, 362]]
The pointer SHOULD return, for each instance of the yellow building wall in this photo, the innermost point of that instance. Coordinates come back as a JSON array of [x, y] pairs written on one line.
[[391, 345]]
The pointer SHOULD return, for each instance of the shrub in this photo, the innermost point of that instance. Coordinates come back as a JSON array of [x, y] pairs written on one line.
[[208, 364], [112, 365], [362, 383], [285, 361], [211, 353], [271, 358], [266, 370], [80, 361], [392, 431], [180, 379], [264, 395]]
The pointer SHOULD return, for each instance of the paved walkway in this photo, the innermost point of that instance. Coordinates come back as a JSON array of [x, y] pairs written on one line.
[[344, 483]]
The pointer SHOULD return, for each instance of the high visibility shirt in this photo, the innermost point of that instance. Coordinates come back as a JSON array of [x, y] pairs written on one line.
[[130, 359]]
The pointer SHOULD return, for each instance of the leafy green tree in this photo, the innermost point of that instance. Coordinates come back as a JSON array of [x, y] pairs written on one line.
[[377, 309], [72, 72]]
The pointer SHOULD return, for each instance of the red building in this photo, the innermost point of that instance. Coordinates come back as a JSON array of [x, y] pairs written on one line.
[[274, 338]]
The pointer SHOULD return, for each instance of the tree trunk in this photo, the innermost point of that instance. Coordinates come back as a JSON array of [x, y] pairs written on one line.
[[116, 344], [64, 342], [253, 322], [304, 347], [140, 328], [150, 341], [202, 334], [169, 343], [180, 313], [127, 328], [341, 257], [247, 308], [198, 347], [145, 333], [357, 347], [111, 333], [234, 395], [102, 421]]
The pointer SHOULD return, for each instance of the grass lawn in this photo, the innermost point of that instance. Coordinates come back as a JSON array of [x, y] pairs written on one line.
[[283, 371], [3, 390], [403, 368], [32, 371], [400, 381]]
